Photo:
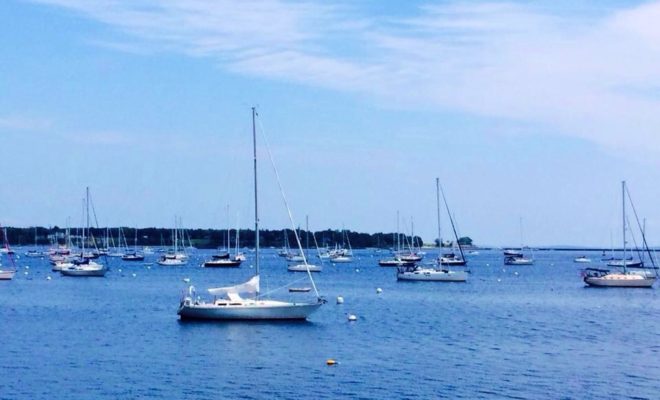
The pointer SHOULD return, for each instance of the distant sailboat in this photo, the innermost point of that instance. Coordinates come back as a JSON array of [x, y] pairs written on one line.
[[7, 274], [423, 273], [625, 278], [175, 258], [513, 257], [85, 266], [243, 301]]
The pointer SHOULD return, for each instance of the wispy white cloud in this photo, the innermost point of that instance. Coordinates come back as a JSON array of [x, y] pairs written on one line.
[[591, 76], [23, 123]]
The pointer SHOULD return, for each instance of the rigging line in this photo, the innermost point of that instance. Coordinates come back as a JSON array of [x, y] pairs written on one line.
[[282, 287], [452, 223], [286, 204], [646, 245]]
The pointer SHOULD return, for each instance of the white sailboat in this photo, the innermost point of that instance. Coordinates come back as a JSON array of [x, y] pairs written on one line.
[[624, 278], [175, 258], [84, 267], [7, 274], [425, 273], [243, 301], [304, 267], [513, 257]]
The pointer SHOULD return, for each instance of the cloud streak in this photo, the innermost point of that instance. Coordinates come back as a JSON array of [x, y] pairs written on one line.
[[583, 75]]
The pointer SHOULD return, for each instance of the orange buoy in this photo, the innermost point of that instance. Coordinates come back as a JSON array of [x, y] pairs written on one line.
[[330, 361]]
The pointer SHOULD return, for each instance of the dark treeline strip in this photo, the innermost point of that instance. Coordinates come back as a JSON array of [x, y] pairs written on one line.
[[211, 238]]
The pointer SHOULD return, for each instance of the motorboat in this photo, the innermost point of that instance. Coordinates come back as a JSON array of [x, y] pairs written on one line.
[[582, 260]]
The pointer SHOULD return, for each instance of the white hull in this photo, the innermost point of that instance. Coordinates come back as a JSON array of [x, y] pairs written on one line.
[[519, 261], [7, 275], [172, 262], [613, 281], [341, 259], [582, 260], [304, 268], [97, 270], [247, 310], [424, 274]]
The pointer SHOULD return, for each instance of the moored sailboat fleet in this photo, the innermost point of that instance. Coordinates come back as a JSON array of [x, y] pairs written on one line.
[[247, 301]]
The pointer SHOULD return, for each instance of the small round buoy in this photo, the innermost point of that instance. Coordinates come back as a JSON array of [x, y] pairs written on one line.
[[148, 266], [186, 280], [357, 269], [134, 275], [27, 267], [48, 278], [340, 300], [379, 290], [330, 361], [352, 317], [488, 265], [119, 269], [26, 272], [499, 280], [516, 273]]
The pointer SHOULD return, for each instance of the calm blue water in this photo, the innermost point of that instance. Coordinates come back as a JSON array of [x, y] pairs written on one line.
[[537, 334]]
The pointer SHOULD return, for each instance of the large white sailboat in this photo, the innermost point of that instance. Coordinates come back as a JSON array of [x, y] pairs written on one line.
[[625, 277], [243, 301], [84, 266]]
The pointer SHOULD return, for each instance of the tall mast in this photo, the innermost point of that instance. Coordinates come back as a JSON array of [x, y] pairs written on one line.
[[437, 203], [307, 232], [623, 204], [228, 238], [86, 216], [398, 235], [256, 204]]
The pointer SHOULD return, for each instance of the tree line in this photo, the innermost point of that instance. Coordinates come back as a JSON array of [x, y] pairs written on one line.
[[210, 238]]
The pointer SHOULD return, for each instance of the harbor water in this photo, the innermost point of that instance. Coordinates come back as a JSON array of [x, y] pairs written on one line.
[[520, 332]]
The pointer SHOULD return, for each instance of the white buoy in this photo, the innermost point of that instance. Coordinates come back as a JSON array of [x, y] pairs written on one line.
[[516, 273], [186, 280], [340, 300], [26, 272], [499, 280], [148, 266], [134, 275], [488, 265], [357, 269], [27, 267], [119, 269], [48, 278], [352, 317], [379, 290]]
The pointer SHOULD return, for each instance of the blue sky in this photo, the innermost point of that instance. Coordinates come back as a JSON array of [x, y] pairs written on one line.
[[525, 109]]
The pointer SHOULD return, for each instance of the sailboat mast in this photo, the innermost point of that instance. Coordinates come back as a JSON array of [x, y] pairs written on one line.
[[437, 204], [86, 216], [623, 205], [256, 204], [398, 235]]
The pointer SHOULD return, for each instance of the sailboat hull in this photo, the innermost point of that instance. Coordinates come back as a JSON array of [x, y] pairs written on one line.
[[604, 281], [83, 272], [250, 311], [432, 275], [6, 275]]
